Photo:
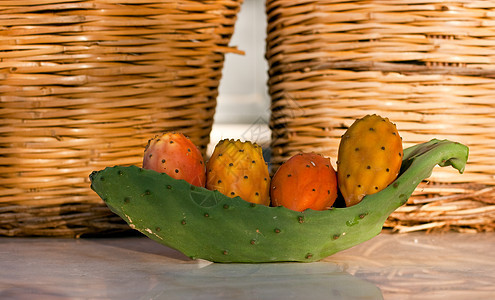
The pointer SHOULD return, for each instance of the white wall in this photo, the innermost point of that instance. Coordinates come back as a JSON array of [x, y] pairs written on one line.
[[243, 102]]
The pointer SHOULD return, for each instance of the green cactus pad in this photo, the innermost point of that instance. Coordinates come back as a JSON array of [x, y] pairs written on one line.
[[208, 225]]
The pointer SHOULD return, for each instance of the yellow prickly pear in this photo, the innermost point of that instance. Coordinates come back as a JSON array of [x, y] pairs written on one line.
[[238, 169], [369, 158]]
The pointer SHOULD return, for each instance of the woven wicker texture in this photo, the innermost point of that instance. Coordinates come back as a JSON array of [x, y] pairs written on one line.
[[84, 85], [426, 65]]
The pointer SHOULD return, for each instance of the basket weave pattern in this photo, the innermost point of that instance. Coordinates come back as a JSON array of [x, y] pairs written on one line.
[[84, 84], [426, 65]]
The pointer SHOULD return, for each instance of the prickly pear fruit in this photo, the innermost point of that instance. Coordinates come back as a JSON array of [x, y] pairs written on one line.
[[175, 154], [369, 158], [238, 169], [306, 180]]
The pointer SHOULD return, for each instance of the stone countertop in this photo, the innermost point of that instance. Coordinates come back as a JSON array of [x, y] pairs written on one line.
[[389, 266]]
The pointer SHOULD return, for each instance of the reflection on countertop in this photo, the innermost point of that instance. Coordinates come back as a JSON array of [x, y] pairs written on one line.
[[390, 266]]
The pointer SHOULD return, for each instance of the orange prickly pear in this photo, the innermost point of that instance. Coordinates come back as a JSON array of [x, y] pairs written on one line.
[[306, 180], [369, 158], [238, 169], [176, 155]]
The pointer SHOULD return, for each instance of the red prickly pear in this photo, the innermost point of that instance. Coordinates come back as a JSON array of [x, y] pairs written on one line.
[[369, 158], [238, 169], [176, 155], [306, 180]]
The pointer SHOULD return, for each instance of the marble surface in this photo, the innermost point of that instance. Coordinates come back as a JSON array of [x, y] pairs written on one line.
[[389, 266]]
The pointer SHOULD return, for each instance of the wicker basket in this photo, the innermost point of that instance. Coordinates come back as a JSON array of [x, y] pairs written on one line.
[[426, 65], [84, 84]]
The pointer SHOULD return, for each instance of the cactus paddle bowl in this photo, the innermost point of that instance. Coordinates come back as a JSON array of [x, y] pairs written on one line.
[[209, 225]]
